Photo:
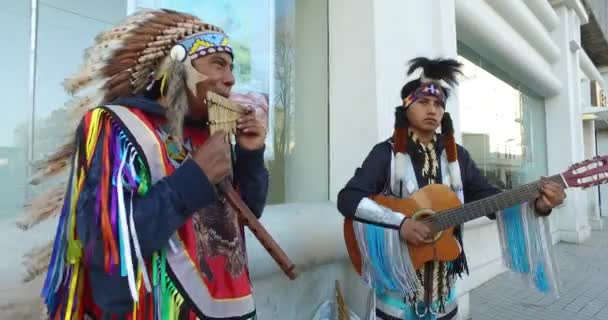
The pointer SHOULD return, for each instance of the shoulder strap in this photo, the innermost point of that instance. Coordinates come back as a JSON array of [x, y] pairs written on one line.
[[145, 137], [183, 270]]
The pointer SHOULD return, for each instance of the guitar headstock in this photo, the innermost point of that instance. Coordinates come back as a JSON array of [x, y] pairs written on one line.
[[587, 173]]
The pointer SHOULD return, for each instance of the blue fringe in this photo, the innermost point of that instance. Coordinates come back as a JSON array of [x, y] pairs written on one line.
[[519, 251], [516, 240], [376, 248]]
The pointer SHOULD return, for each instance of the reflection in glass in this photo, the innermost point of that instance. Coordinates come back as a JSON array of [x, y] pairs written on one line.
[[65, 29], [281, 53], [501, 125]]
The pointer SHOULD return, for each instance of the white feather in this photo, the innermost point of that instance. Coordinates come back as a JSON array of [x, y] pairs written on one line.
[[455, 177]]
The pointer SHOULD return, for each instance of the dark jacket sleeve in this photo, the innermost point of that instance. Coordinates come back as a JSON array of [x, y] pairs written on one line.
[[369, 179], [476, 186], [157, 215], [251, 178]]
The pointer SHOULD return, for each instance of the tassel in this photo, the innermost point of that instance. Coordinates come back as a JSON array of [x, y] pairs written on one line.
[[125, 241], [400, 161], [455, 176], [447, 131], [400, 134], [459, 266], [400, 138], [341, 308]]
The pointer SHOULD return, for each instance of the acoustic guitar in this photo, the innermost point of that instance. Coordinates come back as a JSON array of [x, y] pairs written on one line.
[[439, 206]]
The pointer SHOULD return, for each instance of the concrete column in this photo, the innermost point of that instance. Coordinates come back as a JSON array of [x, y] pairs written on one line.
[[602, 149], [565, 125], [394, 47], [306, 173], [370, 43], [353, 121], [593, 208]]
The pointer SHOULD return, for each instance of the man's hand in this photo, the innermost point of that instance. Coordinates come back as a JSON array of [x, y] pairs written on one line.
[[213, 157], [415, 232], [551, 195], [251, 132]]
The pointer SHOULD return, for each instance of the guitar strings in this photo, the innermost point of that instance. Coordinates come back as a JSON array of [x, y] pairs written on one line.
[[454, 215]]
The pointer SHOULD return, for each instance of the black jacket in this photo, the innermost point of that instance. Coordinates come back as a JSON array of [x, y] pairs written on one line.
[[374, 175]]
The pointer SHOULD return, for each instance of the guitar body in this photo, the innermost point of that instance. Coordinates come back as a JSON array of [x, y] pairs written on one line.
[[428, 201]]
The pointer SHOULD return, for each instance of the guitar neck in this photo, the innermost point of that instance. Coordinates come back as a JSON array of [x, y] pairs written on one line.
[[470, 211]]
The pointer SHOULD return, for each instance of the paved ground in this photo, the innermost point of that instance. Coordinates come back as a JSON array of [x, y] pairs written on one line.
[[584, 291]]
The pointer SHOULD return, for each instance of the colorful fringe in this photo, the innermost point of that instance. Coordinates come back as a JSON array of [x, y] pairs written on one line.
[[386, 261], [123, 177], [527, 248]]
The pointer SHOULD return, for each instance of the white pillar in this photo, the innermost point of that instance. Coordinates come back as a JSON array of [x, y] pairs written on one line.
[[432, 33], [306, 173], [593, 207], [370, 43], [602, 149], [352, 88], [565, 125]]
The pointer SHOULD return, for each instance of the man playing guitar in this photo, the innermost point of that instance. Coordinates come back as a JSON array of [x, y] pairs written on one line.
[[415, 157]]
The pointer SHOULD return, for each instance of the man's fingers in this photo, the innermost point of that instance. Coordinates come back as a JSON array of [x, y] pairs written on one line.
[[423, 232], [546, 201], [423, 227], [554, 196], [553, 187], [247, 118], [248, 123], [252, 123], [549, 193], [419, 237], [256, 130]]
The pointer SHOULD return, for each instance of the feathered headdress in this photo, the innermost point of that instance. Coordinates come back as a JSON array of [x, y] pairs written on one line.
[[436, 70], [149, 46]]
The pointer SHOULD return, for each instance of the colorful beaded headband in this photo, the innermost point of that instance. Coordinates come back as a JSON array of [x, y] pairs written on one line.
[[200, 45], [426, 89]]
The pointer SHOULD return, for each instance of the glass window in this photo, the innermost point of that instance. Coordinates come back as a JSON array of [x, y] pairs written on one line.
[[64, 29], [14, 127], [280, 52], [14, 30], [502, 123]]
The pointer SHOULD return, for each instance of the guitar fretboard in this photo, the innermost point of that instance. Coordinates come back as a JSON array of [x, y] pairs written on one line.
[[461, 214]]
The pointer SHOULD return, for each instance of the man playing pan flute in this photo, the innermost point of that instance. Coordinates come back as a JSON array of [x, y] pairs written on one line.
[[414, 157], [143, 234]]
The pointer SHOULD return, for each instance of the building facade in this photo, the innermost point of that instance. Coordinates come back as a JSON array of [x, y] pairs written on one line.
[[332, 71]]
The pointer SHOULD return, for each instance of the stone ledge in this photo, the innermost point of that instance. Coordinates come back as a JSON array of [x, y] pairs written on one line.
[[310, 235]]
